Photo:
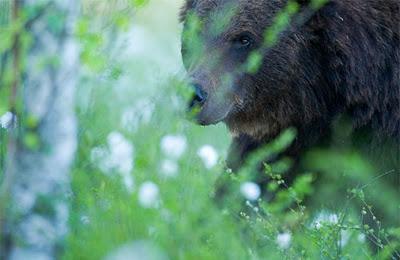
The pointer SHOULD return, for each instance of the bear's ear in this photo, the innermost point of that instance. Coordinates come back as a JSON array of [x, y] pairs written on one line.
[[189, 4]]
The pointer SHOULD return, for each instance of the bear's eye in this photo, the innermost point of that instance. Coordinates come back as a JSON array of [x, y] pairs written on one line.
[[242, 41]]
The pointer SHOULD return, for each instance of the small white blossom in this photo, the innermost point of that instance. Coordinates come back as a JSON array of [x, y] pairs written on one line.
[[98, 154], [283, 240], [148, 195], [85, 220], [121, 152], [129, 119], [128, 181], [250, 191], [118, 156], [136, 251], [173, 146], [208, 155], [325, 218], [139, 114], [333, 218], [344, 237], [169, 168], [6, 120], [361, 238]]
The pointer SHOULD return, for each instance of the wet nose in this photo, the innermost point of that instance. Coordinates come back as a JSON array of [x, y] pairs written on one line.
[[200, 96]]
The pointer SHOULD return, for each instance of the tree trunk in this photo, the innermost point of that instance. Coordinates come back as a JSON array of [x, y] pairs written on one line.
[[37, 182]]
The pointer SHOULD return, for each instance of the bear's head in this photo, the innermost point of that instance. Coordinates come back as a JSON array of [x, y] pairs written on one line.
[[223, 39]]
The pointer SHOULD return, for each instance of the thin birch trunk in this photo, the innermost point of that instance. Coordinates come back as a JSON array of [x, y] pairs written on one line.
[[37, 181]]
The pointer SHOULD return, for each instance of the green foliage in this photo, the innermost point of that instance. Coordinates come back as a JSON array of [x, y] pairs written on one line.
[[139, 3], [92, 42], [280, 24], [192, 39], [254, 62]]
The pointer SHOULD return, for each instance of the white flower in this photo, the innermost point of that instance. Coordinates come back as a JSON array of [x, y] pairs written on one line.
[[85, 219], [283, 240], [333, 219], [98, 156], [361, 238], [173, 146], [148, 194], [128, 181], [6, 120], [344, 237], [136, 251], [208, 155], [129, 119], [121, 152], [325, 218], [140, 113], [250, 190], [118, 157], [169, 168]]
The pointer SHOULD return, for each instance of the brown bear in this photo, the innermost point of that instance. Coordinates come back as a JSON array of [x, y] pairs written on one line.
[[322, 61], [340, 57]]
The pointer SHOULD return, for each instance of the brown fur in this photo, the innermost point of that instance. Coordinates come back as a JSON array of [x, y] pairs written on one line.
[[344, 59]]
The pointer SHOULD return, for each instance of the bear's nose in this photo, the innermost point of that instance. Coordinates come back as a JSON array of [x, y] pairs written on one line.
[[199, 97]]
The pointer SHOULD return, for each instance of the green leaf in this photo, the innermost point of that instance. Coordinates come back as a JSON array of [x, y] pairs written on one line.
[[254, 62], [31, 140]]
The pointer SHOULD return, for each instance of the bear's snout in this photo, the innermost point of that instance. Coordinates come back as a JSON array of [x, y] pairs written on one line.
[[199, 96]]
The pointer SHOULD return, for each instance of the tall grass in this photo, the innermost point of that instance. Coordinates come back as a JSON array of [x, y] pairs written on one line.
[[165, 202]]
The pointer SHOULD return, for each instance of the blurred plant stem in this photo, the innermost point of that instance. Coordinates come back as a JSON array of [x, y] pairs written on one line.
[[36, 183], [5, 6]]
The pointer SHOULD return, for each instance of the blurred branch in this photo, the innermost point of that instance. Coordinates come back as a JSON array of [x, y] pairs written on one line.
[[13, 8], [16, 58]]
